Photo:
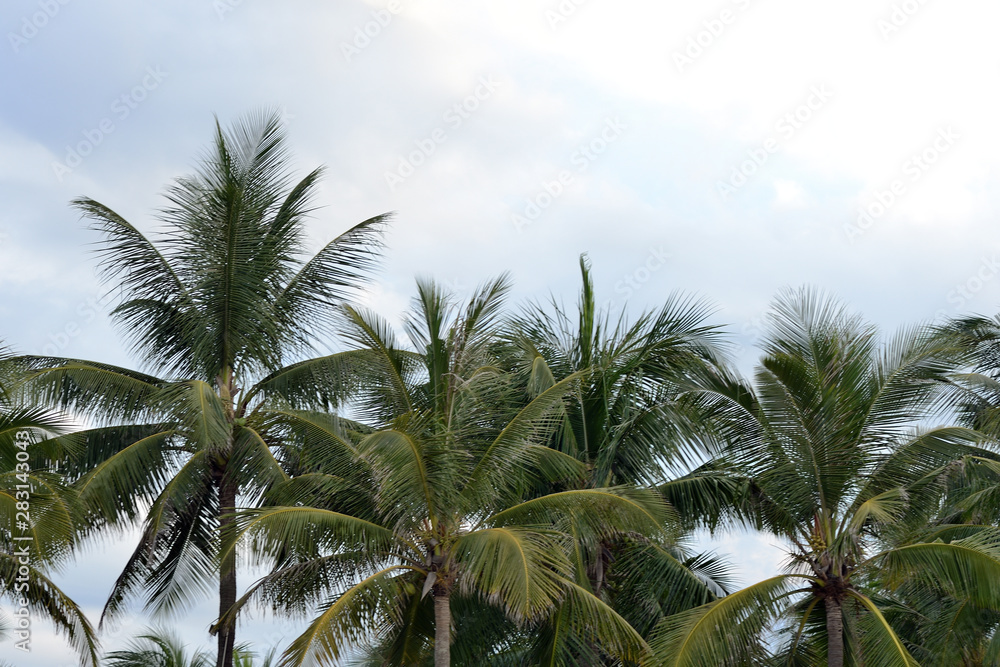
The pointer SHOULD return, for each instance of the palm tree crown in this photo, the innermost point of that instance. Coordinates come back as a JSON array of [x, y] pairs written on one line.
[[214, 308], [429, 503], [832, 438], [627, 422]]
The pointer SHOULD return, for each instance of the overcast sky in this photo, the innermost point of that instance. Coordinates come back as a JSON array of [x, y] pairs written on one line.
[[726, 149]]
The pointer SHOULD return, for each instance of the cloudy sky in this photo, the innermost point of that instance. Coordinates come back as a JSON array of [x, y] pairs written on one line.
[[726, 149]]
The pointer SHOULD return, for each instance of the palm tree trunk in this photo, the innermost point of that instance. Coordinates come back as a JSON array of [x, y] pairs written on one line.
[[227, 576], [442, 629], [834, 633]]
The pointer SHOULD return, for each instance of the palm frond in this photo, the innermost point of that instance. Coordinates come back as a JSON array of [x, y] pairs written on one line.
[[724, 632], [513, 568]]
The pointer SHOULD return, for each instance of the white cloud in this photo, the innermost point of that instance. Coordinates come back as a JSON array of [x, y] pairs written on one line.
[[656, 187], [788, 194]]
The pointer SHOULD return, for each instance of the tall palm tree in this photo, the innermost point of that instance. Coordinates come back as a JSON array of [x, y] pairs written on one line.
[[215, 309], [835, 437], [432, 507], [628, 424], [39, 523]]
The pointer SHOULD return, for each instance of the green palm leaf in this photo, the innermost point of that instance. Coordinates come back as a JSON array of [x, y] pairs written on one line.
[[724, 632]]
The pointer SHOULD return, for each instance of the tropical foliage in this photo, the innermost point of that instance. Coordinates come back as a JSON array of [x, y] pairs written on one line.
[[628, 423], [833, 437], [217, 308], [40, 517], [159, 648], [488, 485], [435, 503]]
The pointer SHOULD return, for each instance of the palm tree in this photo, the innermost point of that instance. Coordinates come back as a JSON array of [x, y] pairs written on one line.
[[215, 309], [158, 648], [946, 627], [831, 437], [430, 510], [628, 424], [35, 500], [942, 628]]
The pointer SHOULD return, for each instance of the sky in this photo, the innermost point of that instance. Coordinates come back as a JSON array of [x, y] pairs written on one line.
[[725, 149]]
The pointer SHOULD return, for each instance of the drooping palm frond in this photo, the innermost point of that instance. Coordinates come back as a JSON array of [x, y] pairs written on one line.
[[969, 567], [346, 620], [631, 420], [724, 632], [829, 444], [44, 598], [437, 504], [41, 517], [515, 567], [174, 558], [219, 301], [101, 393], [654, 579]]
